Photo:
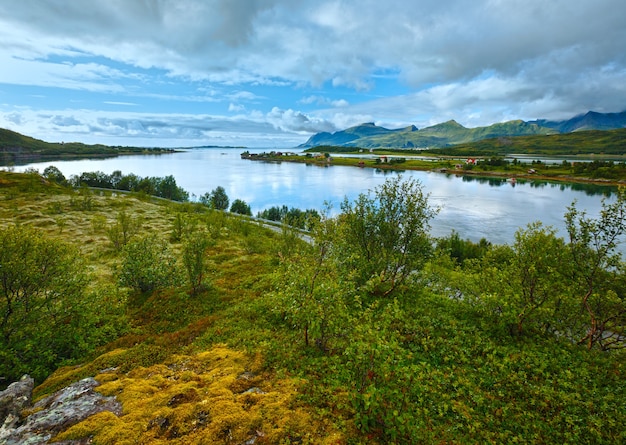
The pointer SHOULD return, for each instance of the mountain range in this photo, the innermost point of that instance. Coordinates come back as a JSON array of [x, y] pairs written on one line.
[[449, 133]]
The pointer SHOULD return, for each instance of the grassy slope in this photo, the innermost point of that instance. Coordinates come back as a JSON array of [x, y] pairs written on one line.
[[180, 372], [179, 347]]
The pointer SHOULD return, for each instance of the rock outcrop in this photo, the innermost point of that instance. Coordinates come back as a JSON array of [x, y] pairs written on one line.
[[27, 424], [15, 399]]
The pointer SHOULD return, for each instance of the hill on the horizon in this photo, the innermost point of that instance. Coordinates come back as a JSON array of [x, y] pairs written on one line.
[[449, 133], [16, 148]]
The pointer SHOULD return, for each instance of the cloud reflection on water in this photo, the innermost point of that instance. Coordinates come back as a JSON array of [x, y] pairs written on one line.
[[474, 207]]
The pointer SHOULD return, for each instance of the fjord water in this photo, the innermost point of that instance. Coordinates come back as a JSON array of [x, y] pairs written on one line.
[[476, 208]]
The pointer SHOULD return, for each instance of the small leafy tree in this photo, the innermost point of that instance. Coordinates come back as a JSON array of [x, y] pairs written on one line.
[[383, 236], [312, 294], [167, 188], [598, 271], [194, 258], [274, 213], [42, 288], [218, 199], [461, 250], [523, 284], [182, 225], [147, 265], [52, 173], [536, 275], [124, 228], [241, 207]]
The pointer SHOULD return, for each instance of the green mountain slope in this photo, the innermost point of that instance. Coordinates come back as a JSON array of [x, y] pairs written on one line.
[[451, 132], [609, 142], [440, 135]]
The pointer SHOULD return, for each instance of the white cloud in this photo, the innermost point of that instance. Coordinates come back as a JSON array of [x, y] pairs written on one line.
[[236, 108], [296, 121], [478, 62], [126, 104], [320, 100], [280, 127]]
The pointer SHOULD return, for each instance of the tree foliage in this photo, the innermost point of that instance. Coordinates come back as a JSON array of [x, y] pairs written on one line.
[[219, 199], [460, 249], [52, 173], [123, 229], [312, 293], [240, 207], [303, 219], [46, 313], [384, 236], [195, 245], [524, 284], [162, 187], [598, 271], [148, 264]]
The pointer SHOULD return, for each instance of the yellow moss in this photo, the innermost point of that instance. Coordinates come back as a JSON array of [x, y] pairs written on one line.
[[60, 378], [92, 426], [111, 388], [111, 359], [122, 433], [201, 399], [106, 377]]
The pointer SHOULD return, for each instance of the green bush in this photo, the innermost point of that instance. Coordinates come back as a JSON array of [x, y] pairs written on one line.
[[194, 259], [148, 264], [48, 317]]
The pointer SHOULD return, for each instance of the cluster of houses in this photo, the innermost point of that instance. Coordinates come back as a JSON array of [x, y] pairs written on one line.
[[472, 161], [272, 154]]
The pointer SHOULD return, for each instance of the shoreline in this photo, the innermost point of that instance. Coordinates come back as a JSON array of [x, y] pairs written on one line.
[[354, 162]]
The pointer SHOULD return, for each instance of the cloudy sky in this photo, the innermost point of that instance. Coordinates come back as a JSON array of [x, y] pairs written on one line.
[[271, 73]]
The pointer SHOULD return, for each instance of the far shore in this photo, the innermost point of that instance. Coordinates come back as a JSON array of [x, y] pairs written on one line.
[[442, 166]]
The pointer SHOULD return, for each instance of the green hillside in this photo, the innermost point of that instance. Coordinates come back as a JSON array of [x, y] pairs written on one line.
[[451, 132], [596, 142], [16, 148], [212, 329], [440, 135]]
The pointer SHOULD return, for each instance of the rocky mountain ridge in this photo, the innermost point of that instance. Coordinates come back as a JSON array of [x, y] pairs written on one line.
[[369, 135]]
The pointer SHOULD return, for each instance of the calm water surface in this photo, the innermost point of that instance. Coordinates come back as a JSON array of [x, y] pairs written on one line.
[[476, 208]]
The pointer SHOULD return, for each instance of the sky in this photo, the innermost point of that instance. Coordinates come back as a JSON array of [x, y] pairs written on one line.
[[271, 73]]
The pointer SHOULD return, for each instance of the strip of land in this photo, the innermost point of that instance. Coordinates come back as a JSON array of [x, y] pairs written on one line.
[[595, 172]]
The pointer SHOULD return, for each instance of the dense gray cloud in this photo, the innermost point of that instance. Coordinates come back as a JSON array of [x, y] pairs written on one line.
[[341, 41], [477, 62]]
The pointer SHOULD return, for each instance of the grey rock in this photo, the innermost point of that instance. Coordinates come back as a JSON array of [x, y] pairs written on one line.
[[58, 412], [254, 390], [16, 398]]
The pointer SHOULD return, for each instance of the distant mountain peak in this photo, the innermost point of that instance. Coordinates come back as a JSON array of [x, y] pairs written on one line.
[[369, 135]]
